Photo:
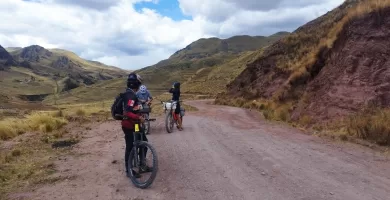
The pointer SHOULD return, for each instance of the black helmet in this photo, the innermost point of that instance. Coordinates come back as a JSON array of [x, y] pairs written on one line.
[[176, 84], [134, 81]]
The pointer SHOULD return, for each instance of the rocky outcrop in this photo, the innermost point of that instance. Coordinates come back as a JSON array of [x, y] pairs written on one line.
[[35, 53], [6, 59], [69, 84], [64, 62]]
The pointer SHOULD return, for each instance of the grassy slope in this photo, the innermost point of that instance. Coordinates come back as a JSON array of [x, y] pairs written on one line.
[[202, 54], [211, 81], [96, 92]]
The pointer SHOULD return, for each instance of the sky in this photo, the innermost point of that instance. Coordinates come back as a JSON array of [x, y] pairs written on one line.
[[132, 34]]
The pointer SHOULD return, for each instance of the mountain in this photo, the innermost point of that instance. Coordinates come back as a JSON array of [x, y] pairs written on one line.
[[205, 53], [6, 59], [204, 66], [34, 70], [327, 69]]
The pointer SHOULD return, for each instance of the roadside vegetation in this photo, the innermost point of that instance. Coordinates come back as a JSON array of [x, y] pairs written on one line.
[[31, 142], [28, 162], [370, 124]]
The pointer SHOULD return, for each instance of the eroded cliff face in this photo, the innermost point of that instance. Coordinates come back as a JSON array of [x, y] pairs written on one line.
[[263, 77], [353, 73], [356, 71]]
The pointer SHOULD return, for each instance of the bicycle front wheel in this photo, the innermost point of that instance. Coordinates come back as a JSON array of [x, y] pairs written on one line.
[[146, 166], [146, 125], [169, 122]]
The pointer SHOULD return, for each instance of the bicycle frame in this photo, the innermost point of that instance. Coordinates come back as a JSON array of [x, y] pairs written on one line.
[[171, 110], [136, 142]]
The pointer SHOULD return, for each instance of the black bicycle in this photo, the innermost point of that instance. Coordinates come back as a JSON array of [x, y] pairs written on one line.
[[138, 160]]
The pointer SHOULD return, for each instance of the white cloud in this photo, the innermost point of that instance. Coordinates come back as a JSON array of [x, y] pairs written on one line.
[[113, 32]]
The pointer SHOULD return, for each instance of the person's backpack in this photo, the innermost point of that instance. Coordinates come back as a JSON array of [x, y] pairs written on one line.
[[117, 107]]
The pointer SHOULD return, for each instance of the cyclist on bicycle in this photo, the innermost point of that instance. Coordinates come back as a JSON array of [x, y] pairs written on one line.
[[144, 95], [175, 90], [131, 106]]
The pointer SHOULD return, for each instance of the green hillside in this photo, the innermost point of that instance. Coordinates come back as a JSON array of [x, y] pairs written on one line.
[[203, 54]]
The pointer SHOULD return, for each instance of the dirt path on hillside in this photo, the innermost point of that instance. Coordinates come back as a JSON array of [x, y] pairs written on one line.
[[224, 153]]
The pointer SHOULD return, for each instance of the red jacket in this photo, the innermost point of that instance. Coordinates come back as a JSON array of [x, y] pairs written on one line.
[[130, 109]]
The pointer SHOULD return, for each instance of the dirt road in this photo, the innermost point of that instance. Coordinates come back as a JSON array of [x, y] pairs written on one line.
[[224, 153]]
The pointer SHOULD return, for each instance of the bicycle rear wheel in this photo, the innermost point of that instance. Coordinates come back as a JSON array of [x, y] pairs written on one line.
[[137, 166]]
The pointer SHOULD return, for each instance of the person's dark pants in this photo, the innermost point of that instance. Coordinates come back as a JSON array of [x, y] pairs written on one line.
[[177, 110], [129, 139]]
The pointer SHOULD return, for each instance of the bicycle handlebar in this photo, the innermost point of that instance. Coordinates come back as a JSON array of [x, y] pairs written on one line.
[[171, 101], [125, 117]]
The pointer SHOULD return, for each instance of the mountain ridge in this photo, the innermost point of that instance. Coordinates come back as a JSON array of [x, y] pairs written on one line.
[[35, 70], [221, 67], [203, 53]]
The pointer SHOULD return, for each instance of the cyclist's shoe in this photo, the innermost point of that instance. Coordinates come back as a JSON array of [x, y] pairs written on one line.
[[136, 174], [146, 169]]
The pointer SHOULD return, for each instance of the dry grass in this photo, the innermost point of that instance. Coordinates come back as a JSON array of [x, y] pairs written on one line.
[[80, 112], [305, 120], [11, 127], [48, 121], [43, 122], [371, 125], [27, 163]]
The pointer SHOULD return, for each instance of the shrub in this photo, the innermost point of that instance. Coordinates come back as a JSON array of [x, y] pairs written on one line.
[[45, 122], [372, 126], [80, 112], [58, 113], [268, 114], [282, 113], [16, 152], [11, 127], [305, 120]]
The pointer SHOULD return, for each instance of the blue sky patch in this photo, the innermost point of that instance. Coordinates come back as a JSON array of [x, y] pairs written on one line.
[[169, 8]]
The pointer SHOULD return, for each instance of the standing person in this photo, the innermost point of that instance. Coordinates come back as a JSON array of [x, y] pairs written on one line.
[[131, 106], [175, 90]]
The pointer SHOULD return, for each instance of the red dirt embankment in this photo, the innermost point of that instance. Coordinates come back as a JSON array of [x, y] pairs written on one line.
[[356, 71], [335, 82]]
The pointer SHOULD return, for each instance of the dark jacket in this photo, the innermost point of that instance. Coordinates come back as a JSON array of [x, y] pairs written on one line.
[[175, 94], [131, 102]]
